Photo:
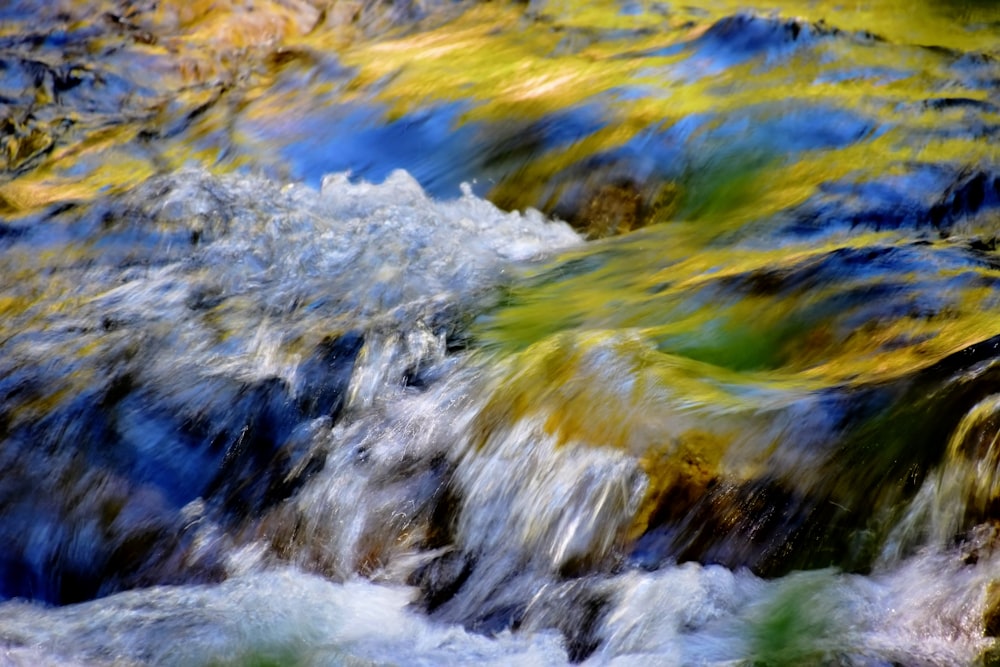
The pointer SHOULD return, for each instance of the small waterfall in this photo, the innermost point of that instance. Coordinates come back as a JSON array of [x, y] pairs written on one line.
[[962, 492]]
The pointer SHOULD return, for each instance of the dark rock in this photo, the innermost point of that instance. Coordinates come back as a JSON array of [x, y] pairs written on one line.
[[580, 627], [601, 204], [253, 434], [612, 210], [577, 609], [498, 618], [756, 524], [326, 373], [439, 580]]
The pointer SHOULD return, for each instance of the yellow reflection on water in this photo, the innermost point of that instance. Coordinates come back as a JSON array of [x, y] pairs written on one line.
[[505, 61]]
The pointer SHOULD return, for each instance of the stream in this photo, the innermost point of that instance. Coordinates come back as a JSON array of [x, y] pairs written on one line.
[[426, 332]]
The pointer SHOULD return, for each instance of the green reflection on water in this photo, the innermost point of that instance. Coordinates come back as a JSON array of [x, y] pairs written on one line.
[[205, 65], [805, 623], [791, 309]]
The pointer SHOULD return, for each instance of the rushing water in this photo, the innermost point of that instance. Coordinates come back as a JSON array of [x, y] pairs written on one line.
[[294, 371]]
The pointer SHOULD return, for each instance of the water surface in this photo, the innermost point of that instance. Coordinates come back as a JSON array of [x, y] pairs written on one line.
[[440, 333]]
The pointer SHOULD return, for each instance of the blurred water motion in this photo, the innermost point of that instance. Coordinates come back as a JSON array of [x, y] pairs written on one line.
[[292, 371], [547, 106]]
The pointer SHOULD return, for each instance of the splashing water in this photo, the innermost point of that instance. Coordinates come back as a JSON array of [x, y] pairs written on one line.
[[739, 409]]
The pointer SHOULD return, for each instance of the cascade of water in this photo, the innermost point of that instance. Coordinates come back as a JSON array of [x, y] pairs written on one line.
[[300, 418]]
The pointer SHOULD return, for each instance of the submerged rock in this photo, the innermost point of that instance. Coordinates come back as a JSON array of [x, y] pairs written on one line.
[[192, 342]]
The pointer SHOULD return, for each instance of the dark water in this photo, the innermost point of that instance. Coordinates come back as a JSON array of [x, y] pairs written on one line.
[[277, 388]]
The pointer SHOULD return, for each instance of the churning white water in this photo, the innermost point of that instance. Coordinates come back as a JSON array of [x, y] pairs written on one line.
[[925, 612], [314, 463]]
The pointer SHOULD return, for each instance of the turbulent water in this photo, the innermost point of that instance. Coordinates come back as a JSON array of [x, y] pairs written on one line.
[[632, 333]]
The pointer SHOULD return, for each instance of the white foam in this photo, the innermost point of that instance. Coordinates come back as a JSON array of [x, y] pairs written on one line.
[[926, 612], [282, 615]]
